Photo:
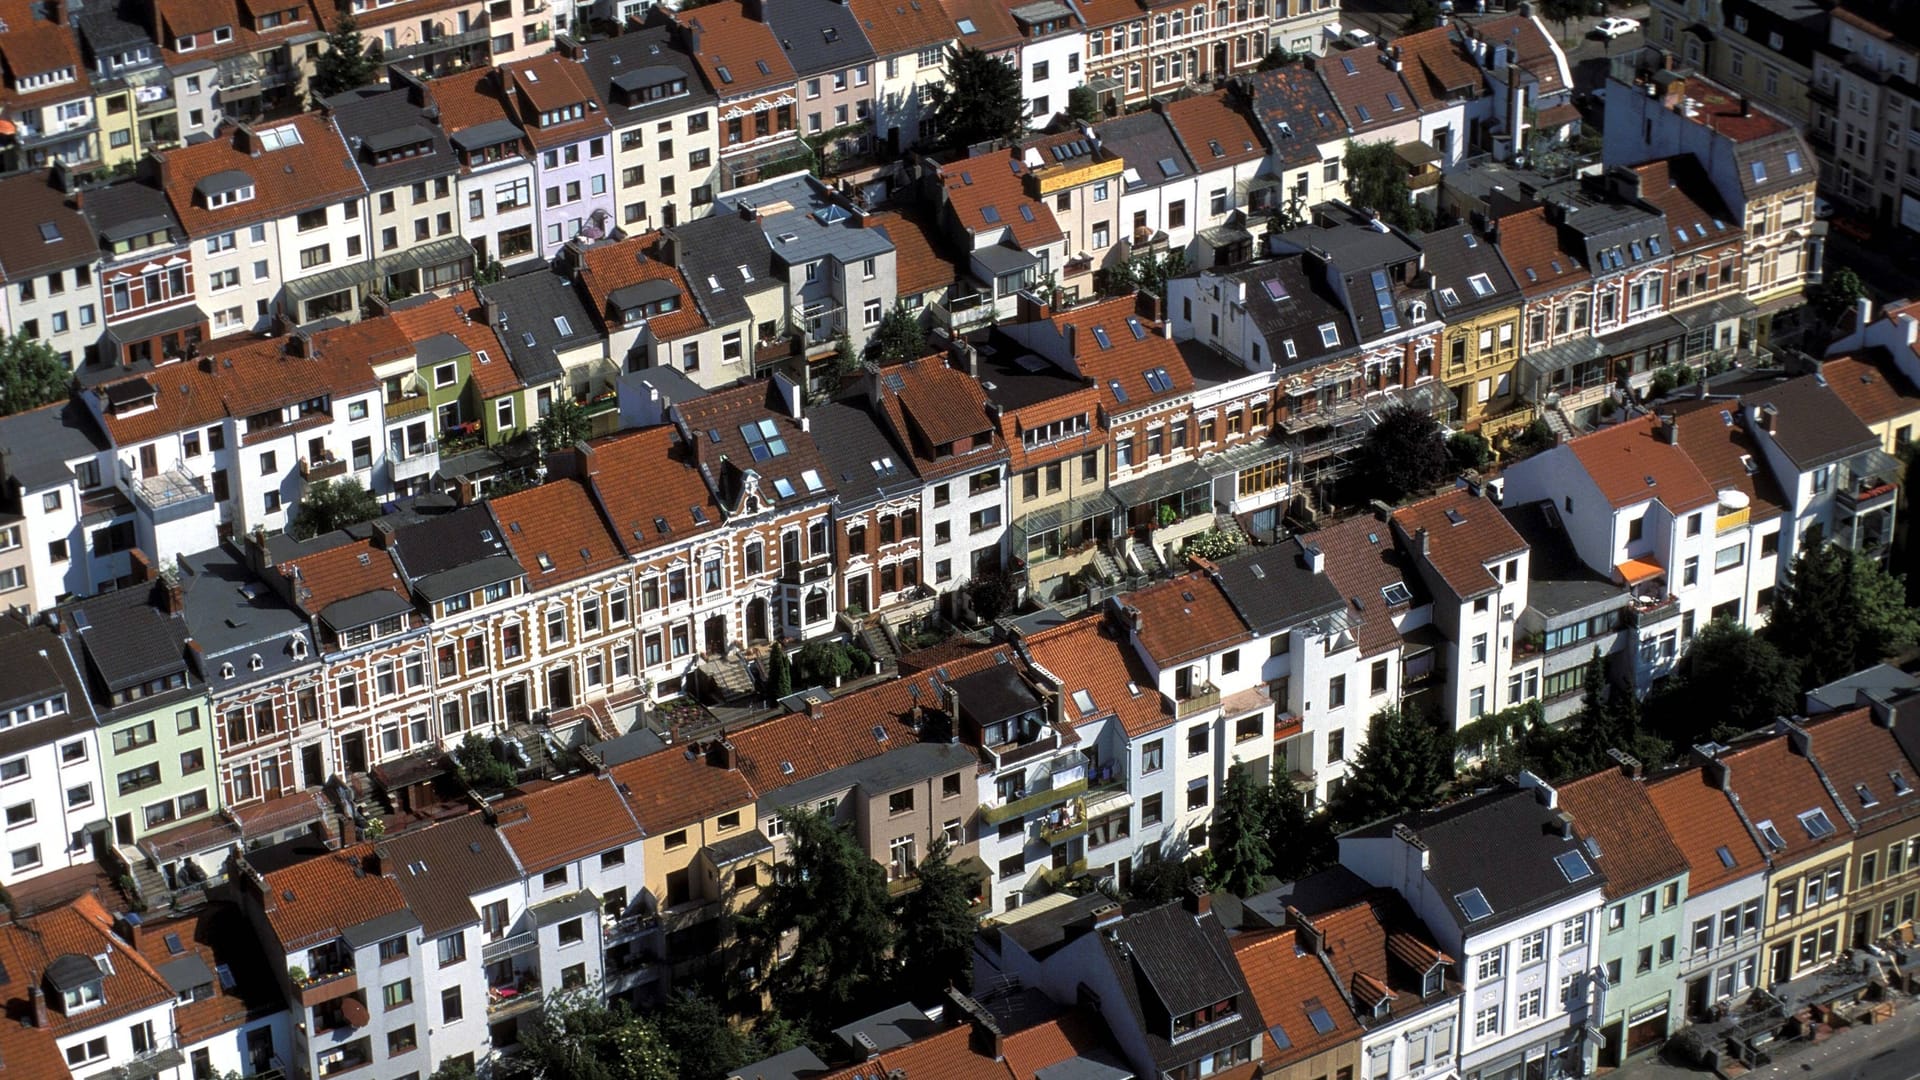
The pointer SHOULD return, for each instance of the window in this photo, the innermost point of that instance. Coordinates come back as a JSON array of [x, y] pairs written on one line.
[[1533, 947], [1153, 757], [1573, 932], [1729, 557], [1337, 692], [1492, 963], [1531, 1005], [451, 1007], [1150, 810], [1486, 1022], [397, 994], [572, 932]]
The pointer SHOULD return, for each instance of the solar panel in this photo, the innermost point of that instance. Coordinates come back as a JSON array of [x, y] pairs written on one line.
[[1473, 903], [1573, 865]]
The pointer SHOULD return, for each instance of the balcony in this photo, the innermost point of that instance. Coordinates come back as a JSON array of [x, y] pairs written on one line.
[[1013, 753], [173, 494], [408, 463], [961, 312], [521, 996], [320, 989], [407, 406], [1646, 610], [1198, 700], [1867, 493], [1065, 823], [1028, 802], [509, 946], [437, 43], [326, 468], [626, 927], [819, 568]]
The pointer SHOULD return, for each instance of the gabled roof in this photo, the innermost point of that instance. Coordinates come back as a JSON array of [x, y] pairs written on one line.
[[129, 641], [898, 27], [1469, 276], [462, 317], [1300, 1004], [315, 171], [739, 55], [1777, 786], [950, 1055], [1860, 757], [1612, 811], [1371, 95], [1184, 618], [612, 276], [1466, 533], [1623, 459], [919, 262], [539, 316], [1091, 654], [986, 194], [1215, 132], [473, 112], [981, 24], [1131, 363], [453, 553], [33, 45], [1721, 451], [71, 936], [1297, 113], [1532, 246], [351, 584], [862, 459], [441, 867], [1697, 218], [1365, 565], [566, 822], [379, 122], [1290, 304], [1872, 385], [557, 534], [1380, 950], [645, 73], [651, 489], [1533, 48], [1146, 142], [1185, 963], [679, 787], [1273, 588], [928, 404], [553, 84], [313, 902], [188, 952], [819, 36], [711, 251], [1701, 821], [1813, 426], [747, 430], [44, 230], [1437, 66]]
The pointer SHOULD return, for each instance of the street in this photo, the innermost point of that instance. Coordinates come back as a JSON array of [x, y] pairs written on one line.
[[1889, 1051]]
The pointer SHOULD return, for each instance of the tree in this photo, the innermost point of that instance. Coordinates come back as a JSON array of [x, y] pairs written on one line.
[[346, 65], [1298, 842], [899, 338], [780, 671], [478, 767], [579, 1037], [1402, 766], [564, 425], [454, 1069], [824, 663], [1083, 105], [990, 596], [1468, 450], [833, 900], [1278, 57], [1833, 299], [1731, 680], [1837, 612], [937, 925], [330, 505], [1564, 12], [1239, 841], [979, 101], [31, 374], [1421, 15], [1377, 180], [1161, 881], [705, 1045], [1406, 454], [1212, 545]]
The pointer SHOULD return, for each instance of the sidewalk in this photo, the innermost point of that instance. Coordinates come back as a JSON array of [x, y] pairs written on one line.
[[1889, 1051]]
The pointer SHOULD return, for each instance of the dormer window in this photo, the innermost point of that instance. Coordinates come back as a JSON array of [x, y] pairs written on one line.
[[222, 35], [76, 981], [83, 997], [184, 43], [226, 671], [562, 116], [225, 188], [1433, 982]]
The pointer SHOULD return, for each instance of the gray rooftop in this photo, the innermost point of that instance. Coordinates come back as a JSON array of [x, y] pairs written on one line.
[[456, 552], [1152, 151], [531, 310], [716, 247], [819, 36], [128, 639], [1559, 582], [1881, 681], [852, 443], [374, 120], [803, 223], [638, 76], [1273, 588], [232, 613], [877, 775], [36, 446]]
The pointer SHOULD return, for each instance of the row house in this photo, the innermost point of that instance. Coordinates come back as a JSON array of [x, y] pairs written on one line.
[[1451, 90], [1839, 485], [48, 266], [877, 513], [1075, 175], [1293, 980], [1159, 188], [838, 272], [1137, 51], [238, 63], [1707, 291], [1480, 348], [1860, 752], [403, 154], [496, 179], [1504, 882], [1009, 235], [1475, 567], [1530, 82], [457, 385], [1760, 49], [644, 308], [743, 61], [549, 334], [132, 90], [834, 64], [1640, 511], [735, 283], [941, 419], [1859, 109], [50, 100], [1225, 144], [1762, 166], [226, 1015], [1405, 993], [665, 121], [1644, 929], [51, 779], [149, 301], [1052, 37], [552, 101], [452, 36], [1388, 613], [1873, 367], [1376, 97], [1306, 138], [267, 209], [910, 42], [225, 443]]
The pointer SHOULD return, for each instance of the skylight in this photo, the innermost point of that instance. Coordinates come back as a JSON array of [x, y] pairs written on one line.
[[1817, 824], [725, 75], [562, 326], [1276, 289], [1794, 164], [991, 215], [1169, 167], [1771, 835], [1449, 298], [784, 487], [1119, 392], [1329, 334], [1026, 213], [1482, 285], [764, 440], [1573, 865], [1759, 171], [1280, 1037], [49, 232], [1383, 296], [1318, 1016], [966, 26], [1394, 102], [1396, 594], [1473, 903], [1159, 381], [1083, 700], [1726, 856], [1867, 799], [1365, 116], [811, 478], [1900, 785], [1347, 62]]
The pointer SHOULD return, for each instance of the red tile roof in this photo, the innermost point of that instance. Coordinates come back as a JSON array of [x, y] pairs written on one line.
[[919, 266], [1778, 785], [1363, 560], [1701, 822], [1717, 448], [1465, 534], [1380, 949], [605, 268], [1437, 67], [645, 476], [1872, 386], [1724, 112], [313, 902], [897, 27], [1186, 617], [33, 46], [470, 98], [81, 928], [670, 790], [1079, 1033], [1697, 218], [1286, 983], [929, 405], [738, 55], [317, 171], [557, 534], [1856, 752], [986, 194], [993, 25], [1532, 47], [566, 822], [1089, 654], [947, 1056], [1205, 121], [353, 569], [460, 316], [1540, 263], [217, 934], [549, 83], [1133, 348], [1360, 82], [1613, 809], [1622, 458]]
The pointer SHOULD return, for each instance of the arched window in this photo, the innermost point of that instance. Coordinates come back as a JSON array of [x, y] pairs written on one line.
[[1159, 28]]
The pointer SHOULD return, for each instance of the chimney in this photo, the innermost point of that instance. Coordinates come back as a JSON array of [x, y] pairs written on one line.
[[1381, 511], [987, 1039], [141, 565], [1630, 766], [463, 492], [1669, 431], [259, 557], [969, 357], [1712, 768], [1862, 314], [1032, 307], [376, 863], [173, 595], [1563, 824], [1073, 340], [1132, 615], [128, 927], [1199, 901], [1769, 417], [1746, 106], [37, 1000], [1316, 558], [722, 755], [1799, 739], [1422, 542], [816, 709], [382, 535]]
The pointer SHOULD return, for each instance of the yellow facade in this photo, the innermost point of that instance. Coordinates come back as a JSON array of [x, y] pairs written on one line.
[[1806, 907], [119, 118], [1478, 355]]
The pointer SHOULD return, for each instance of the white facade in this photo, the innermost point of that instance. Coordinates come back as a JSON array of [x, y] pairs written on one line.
[[50, 793]]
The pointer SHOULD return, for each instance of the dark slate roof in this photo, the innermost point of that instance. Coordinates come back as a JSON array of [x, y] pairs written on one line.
[[37, 667], [1455, 256], [994, 694], [456, 552], [1559, 582], [230, 612], [371, 119], [1814, 427], [819, 36], [1297, 114], [130, 208], [1502, 843], [528, 305], [1272, 588], [1152, 151], [107, 31], [70, 971], [876, 775], [127, 639], [1343, 241], [850, 441], [439, 868], [885, 1030], [38, 209], [736, 848], [1184, 962], [1039, 935], [717, 247], [1290, 301], [643, 58], [36, 445]]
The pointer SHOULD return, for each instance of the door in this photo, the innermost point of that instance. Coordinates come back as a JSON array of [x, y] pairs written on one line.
[[313, 772], [149, 462], [1780, 963], [857, 593], [716, 635], [516, 702], [1220, 59], [559, 689], [353, 752], [260, 1050], [757, 621], [123, 830]]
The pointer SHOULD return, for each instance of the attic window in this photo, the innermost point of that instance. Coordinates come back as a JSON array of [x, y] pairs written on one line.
[[254, 663], [660, 524], [699, 515], [279, 138], [1473, 904], [990, 215], [1169, 167], [1329, 334], [1396, 594], [1759, 169], [1817, 824], [1482, 285], [1573, 865], [1083, 700], [1119, 392], [1771, 835], [1867, 799], [1159, 381], [762, 65], [966, 26], [783, 487], [561, 325], [811, 478], [49, 232], [1449, 298], [725, 75], [1318, 1016], [1100, 335], [763, 440], [1276, 289], [1794, 164], [1394, 102], [1214, 145], [1900, 785], [546, 564], [1726, 856]]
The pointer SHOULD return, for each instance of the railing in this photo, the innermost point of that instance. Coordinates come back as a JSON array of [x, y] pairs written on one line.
[[510, 945], [407, 406], [505, 1001], [1027, 803], [1067, 824], [1203, 697], [325, 469], [1873, 489], [1647, 612]]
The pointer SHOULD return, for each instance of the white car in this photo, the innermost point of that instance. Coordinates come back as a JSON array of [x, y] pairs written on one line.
[[1614, 27], [1358, 38]]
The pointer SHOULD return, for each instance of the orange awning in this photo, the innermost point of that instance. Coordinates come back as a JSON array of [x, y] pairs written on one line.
[[1635, 571]]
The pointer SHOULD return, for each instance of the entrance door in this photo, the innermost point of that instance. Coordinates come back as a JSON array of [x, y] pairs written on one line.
[[1780, 964], [313, 772], [857, 593], [716, 635], [260, 1050], [516, 702], [353, 752], [560, 688], [757, 621], [1220, 60], [123, 829]]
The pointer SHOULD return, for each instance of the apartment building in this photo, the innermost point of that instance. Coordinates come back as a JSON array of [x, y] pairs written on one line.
[[839, 273], [1226, 145], [745, 63], [1145, 50], [1009, 237], [1480, 348], [47, 285], [1159, 189], [665, 121], [50, 98], [1873, 367], [1404, 997], [730, 270], [148, 302], [496, 179], [1503, 882], [1859, 752], [646, 311], [910, 43], [1306, 135], [877, 517], [50, 756], [131, 90], [552, 101], [1454, 97], [56, 457], [1839, 485], [1387, 610], [1644, 922], [1761, 48], [834, 63]]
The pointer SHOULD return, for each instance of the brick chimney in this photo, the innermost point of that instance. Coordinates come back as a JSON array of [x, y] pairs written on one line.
[[1199, 901], [382, 535], [37, 999]]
